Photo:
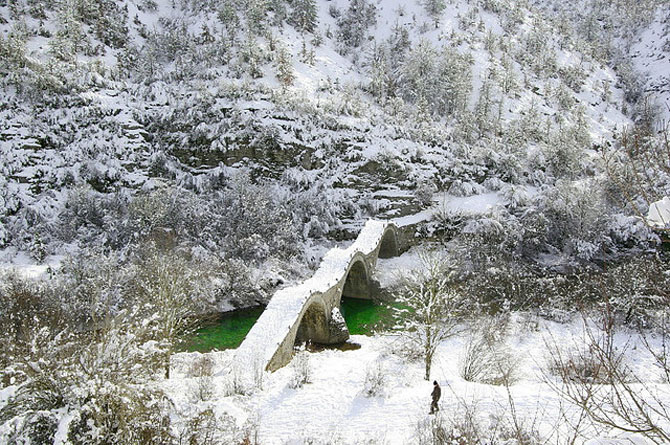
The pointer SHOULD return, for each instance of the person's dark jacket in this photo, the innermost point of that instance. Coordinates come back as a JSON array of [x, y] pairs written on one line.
[[437, 392]]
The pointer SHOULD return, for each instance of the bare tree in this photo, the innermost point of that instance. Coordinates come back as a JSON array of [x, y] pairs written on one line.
[[174, 294], [429, 308], [596, 379]]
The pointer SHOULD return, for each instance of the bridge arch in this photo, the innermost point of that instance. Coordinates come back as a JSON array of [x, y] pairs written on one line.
[[357, 280], [313, 325]]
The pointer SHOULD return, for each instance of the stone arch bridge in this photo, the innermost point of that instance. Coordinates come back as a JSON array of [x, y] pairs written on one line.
[[310, 310]]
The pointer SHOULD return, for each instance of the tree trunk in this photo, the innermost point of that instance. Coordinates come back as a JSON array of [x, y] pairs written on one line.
[[428, 361]]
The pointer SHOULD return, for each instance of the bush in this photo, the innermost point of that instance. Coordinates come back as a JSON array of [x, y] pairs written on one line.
[[486, 358], [301, 370], [434, 430], [201, 370], [593, 361], [375, 380], [204, 427], [101, 376]]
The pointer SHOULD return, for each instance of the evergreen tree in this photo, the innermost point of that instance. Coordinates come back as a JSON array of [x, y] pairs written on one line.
[[434, 8], [304, 15], [420, 72], [284, 65], [354, 23], [256, 11]]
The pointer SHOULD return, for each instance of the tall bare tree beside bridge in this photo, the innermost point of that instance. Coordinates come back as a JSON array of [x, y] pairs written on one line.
[[428, 307]]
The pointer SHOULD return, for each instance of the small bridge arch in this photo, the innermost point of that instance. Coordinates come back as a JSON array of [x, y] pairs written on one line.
[[310, 310], [357, 280]]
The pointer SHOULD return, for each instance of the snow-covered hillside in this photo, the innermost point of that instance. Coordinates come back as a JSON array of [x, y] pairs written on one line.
[[365, 105], [165, 160], [651, 56]]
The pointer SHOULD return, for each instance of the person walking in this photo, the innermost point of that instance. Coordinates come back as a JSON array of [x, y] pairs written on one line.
[[437, 392]]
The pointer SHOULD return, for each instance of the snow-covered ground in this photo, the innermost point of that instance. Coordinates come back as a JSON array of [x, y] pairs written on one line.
[[21, 263], [659, 214], [335, 408], [651, 58]]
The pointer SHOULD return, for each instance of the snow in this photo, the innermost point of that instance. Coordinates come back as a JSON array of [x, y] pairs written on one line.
[[479, 204], [659, 214], [472, 205], [389, 270], [334, 406], [21, 263], [63, 428]]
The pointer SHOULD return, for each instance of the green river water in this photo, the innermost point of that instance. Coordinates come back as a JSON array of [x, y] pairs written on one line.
[[362, 316]]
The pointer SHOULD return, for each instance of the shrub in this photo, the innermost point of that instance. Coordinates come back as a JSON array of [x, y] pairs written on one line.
[[101, 376], [486, 358], [375, 380], [301, 369], [201, 370]]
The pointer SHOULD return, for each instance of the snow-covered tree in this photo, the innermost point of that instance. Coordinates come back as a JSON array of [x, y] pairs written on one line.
[[172, 293], [304, 15], [256, 12], [443, 79], [284, 65], [354, 23], [420, 72], [639, 167], [434, 8], [428, 307]]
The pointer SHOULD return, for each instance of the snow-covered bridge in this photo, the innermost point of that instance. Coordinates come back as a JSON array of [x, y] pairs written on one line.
[[310, 310]]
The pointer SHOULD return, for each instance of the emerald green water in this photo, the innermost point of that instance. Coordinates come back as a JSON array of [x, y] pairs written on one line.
[[363, 317], [227, 332], [230, 328]]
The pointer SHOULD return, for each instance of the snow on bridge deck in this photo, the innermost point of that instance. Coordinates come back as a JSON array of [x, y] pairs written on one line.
[[286, 308]]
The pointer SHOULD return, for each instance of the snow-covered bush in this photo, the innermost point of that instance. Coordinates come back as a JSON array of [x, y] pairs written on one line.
[[574, 213], [90, 286], [375, 380], [434, 430], [465, 188], [449, 221], [486, 359], [100, 377], [301, 369], [201, 371], [205, 427], [468, 425], [252, 222], [424, 193], [636, 289]]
